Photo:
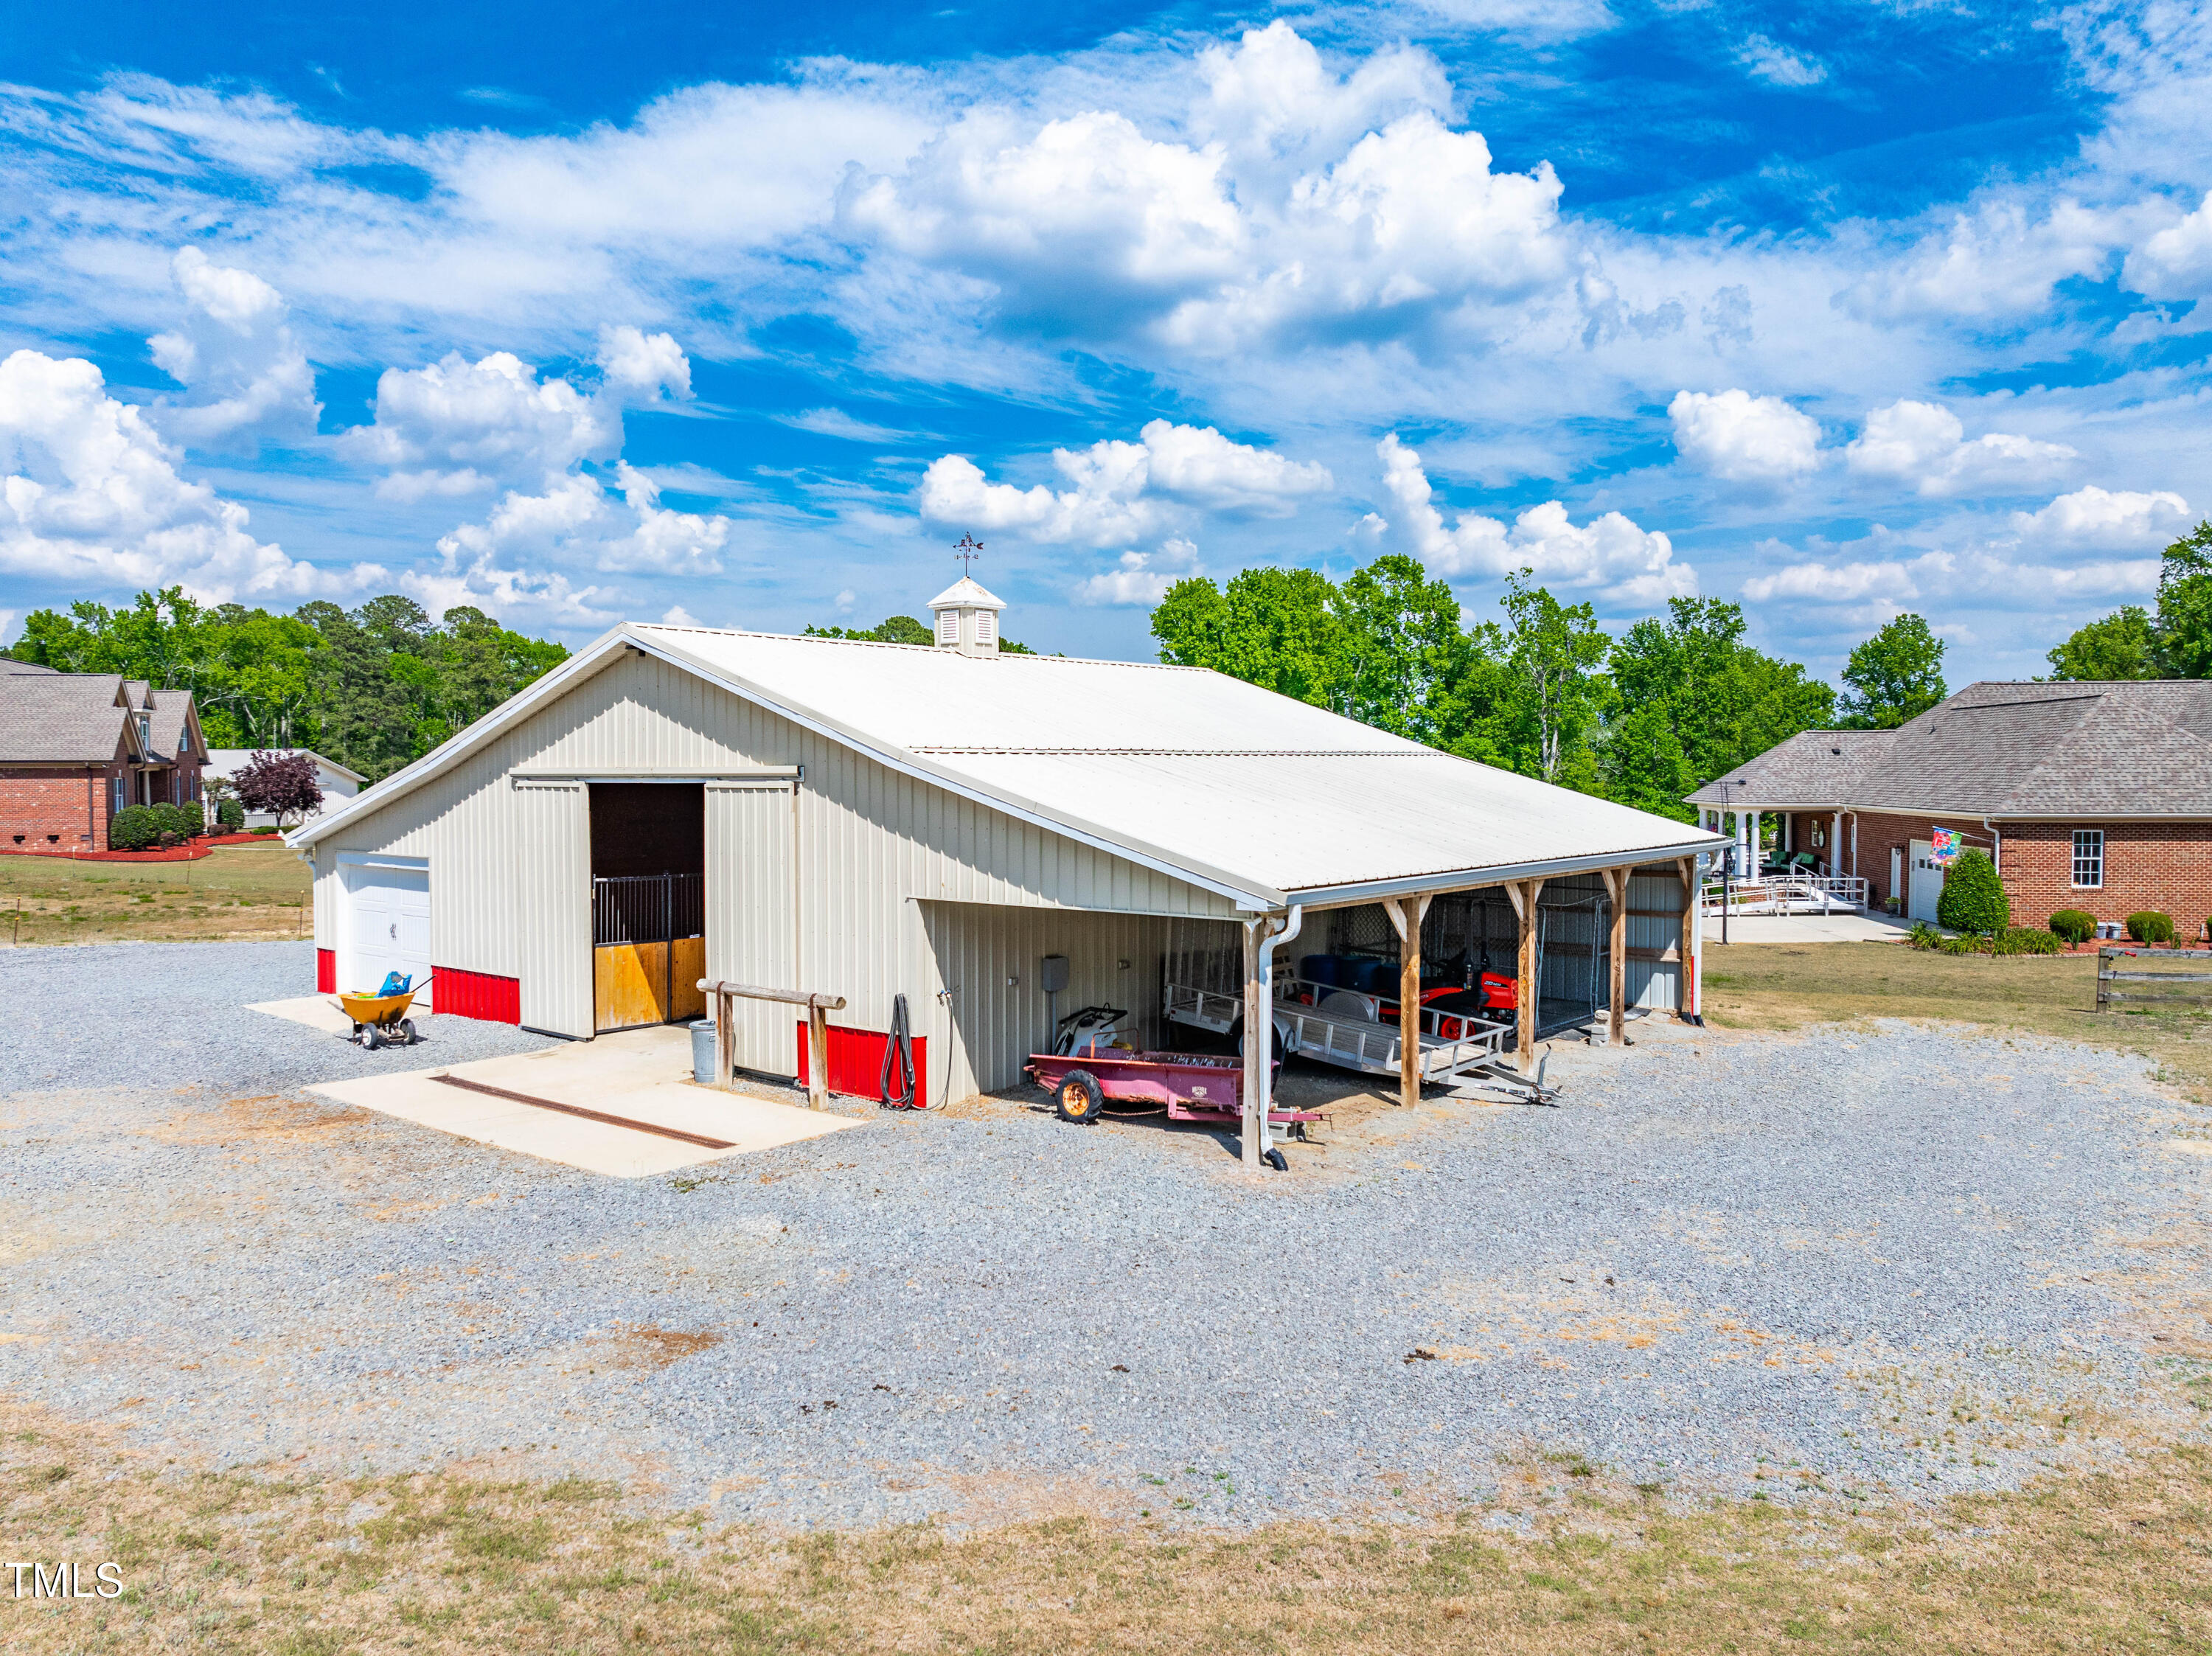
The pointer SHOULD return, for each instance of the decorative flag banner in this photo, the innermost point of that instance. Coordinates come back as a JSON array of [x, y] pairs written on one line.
[[1943, 846]]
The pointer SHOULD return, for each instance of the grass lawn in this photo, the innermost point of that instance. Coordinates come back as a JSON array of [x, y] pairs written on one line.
[[236, 891], [232, 1562], [1787, 986]]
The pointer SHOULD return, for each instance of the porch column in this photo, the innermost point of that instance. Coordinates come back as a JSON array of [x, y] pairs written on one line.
[[1522, 894], [1752, 858], [1616, 887], [1259, 1041], [1836, 845], [1405, 917]]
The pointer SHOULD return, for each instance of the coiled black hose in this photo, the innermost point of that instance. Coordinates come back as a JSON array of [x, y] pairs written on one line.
[[898, 1052]]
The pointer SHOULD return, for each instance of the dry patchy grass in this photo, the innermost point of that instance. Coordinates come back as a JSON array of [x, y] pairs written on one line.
[[240, 1561], [236, 891], [1789, 986]]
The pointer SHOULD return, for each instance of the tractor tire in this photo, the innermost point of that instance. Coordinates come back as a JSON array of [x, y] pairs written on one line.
[[1078, 1099]]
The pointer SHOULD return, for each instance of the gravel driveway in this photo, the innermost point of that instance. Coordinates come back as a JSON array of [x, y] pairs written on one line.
[[1914, 1261]]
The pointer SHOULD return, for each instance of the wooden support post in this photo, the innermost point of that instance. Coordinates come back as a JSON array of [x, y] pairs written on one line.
[[726, 1045], [1616, 887], [1686, 990], [1523, 894], [1405, 916], [817, 1056], [1259, 1043]]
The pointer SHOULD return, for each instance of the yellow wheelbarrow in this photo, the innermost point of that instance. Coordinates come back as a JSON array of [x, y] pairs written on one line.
[[381, 1020]]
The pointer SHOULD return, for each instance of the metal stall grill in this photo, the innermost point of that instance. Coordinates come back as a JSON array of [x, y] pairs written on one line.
[[649, 949]]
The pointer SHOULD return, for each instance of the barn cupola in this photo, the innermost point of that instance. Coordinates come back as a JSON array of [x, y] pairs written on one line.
[[967, 618]]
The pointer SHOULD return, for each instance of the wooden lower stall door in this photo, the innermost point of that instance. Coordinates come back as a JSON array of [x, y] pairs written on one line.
[[629, 985]]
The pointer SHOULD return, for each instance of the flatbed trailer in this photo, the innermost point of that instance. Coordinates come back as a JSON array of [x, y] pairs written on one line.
[[1455, 1045]]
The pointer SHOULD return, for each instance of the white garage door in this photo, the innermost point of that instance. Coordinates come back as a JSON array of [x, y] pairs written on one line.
[[389, 929]]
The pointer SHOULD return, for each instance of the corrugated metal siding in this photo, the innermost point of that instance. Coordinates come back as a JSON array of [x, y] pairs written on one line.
[[972, 950], [753, 922], [871, 840], [549, 895]]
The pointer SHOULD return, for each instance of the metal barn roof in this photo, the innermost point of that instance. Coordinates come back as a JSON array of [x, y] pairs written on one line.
[[1230, 784]]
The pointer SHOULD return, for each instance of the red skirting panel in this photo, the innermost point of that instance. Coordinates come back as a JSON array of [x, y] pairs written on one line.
[[856, 1062], [476, 995], [326, 971]]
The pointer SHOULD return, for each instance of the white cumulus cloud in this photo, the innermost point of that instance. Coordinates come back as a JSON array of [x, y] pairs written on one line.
[[458, 426], [1630, 565], [2175, 263], [90, 496], [247, 376], [1925, 445], [1744, 439], [2113, 519], [642, 367], [1123, 492]]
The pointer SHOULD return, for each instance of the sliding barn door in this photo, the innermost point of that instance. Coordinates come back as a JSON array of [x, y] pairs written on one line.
[[553, 903], [752, 914]]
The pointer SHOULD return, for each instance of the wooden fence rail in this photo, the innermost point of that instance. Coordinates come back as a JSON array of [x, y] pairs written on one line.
[[819, 1008], [2108, 975]]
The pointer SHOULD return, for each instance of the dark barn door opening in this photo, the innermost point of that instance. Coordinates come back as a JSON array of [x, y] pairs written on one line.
[[648, 902]]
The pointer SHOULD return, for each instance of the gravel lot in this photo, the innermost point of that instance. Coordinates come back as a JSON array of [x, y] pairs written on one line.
[[1915, 1262]]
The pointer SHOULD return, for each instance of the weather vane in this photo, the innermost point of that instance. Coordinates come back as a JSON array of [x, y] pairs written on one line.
[[968, 551]]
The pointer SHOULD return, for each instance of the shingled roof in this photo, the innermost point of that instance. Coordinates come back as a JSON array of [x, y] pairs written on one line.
[[2108, 749], [75, 719]]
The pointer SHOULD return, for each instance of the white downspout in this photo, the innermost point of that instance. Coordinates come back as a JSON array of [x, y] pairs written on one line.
[[1296, 919]]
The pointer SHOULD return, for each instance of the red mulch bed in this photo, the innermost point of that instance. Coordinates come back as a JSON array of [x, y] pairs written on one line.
[[190, 853]]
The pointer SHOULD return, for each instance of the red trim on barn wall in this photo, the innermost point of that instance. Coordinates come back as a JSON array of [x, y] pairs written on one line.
[[856, 1062], [326, 971], [476, 995]]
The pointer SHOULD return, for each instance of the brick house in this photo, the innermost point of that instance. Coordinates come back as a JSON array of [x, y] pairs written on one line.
[[76, 748], [2088, 796]]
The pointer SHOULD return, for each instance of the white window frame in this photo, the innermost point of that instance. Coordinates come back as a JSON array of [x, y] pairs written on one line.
[[2091, 859], [121, 794]]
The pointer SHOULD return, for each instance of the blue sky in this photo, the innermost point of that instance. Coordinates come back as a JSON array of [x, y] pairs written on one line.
[[638, 311]]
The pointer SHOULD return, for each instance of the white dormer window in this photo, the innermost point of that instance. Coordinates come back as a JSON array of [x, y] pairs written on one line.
[[146, 730]]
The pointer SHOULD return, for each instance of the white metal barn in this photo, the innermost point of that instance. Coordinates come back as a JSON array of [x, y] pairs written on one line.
[[874, 820]]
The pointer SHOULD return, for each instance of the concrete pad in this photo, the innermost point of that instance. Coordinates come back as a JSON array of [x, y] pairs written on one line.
[[643, 1074], [316, 1011], [1807, 928]]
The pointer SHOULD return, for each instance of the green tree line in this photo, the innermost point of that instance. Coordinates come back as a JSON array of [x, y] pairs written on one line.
[[1644, 718], [375, 687]]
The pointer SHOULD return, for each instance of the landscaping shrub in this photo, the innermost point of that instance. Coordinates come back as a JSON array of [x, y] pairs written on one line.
[[1924, 935], [177, 823], [2151, 927], [133, 828], [2025, 940], [230, 816], [1973, 897], [1965, 944], [2074, 924]]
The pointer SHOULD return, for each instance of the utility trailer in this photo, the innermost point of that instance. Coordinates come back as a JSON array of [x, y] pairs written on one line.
[[1454, 1047]]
